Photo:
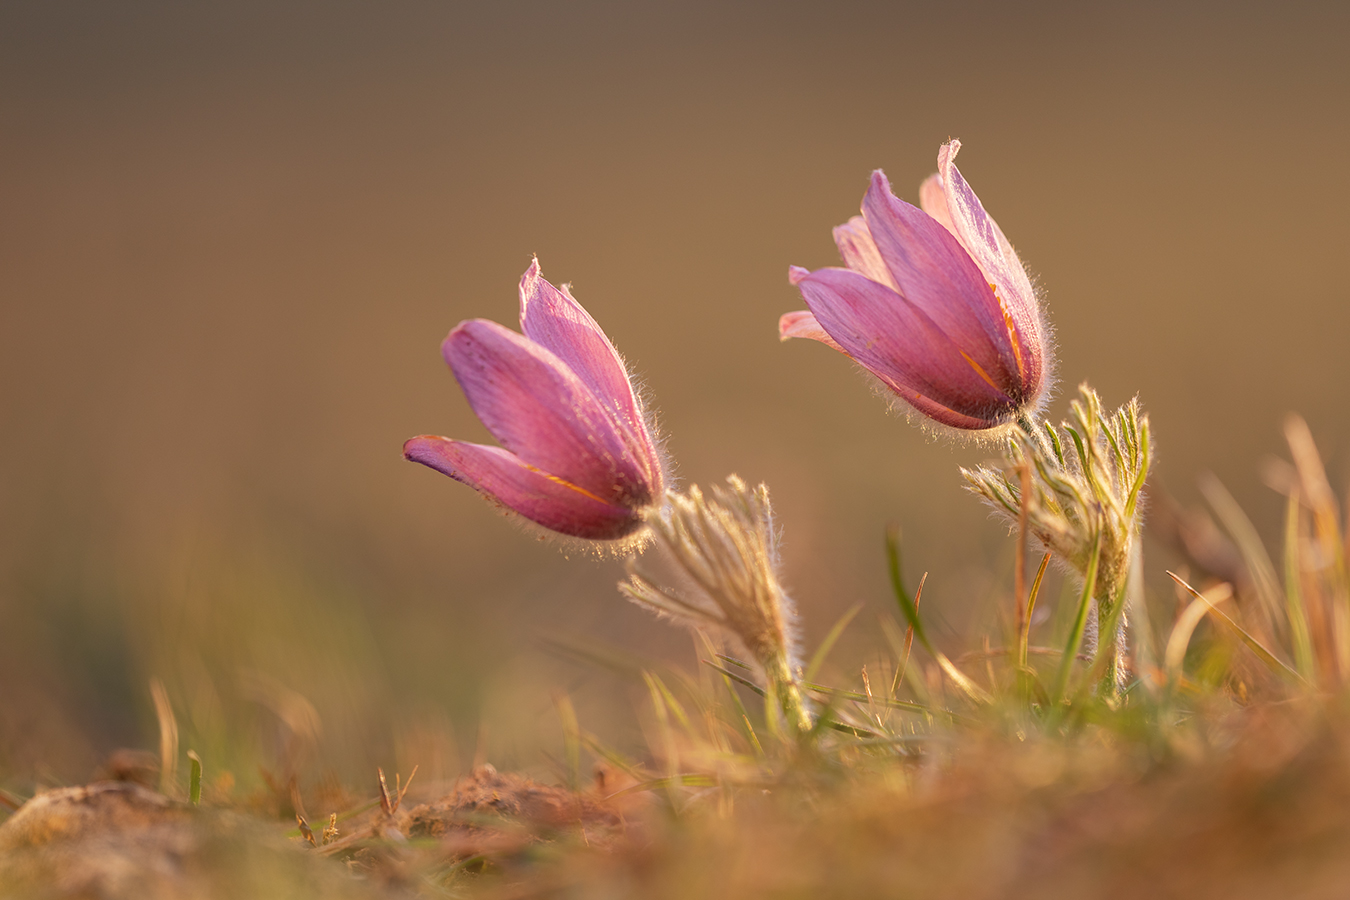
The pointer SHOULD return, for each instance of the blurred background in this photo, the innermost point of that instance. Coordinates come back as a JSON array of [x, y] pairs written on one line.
[[232, 236]]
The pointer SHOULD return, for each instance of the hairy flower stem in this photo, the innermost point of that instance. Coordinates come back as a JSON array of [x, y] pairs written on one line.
[[1110, 614], [783, 687], [1082, 503]]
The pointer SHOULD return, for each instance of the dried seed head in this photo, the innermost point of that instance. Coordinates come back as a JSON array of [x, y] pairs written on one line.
[[722, 550]]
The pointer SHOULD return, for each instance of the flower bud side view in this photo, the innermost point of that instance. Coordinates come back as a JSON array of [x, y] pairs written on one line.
[[578, 456], [934, 302]]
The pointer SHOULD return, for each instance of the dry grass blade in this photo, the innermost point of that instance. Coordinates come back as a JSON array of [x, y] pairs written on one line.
[[959, 678], [387, 805], [168, 737], [194, 778], [691, 779], [1270, 659], [403, 791], [305, 831], [1335, 586], [1311, 473], [1260, 567], [1300, 634], [1180, 638]]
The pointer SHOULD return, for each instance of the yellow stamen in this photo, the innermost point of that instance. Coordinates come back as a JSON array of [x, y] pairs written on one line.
[[1012, 332], [567, 484], [979, 371]]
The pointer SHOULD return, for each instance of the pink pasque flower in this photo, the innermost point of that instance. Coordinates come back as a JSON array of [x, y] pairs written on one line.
[[933, 302], [577, 455]]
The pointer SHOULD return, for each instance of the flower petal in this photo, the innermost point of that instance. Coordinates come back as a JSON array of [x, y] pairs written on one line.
[[937, 275], [802, 324], [933, 201], [860, 252], [541, 411], [550, 501], [981, 236], [899, 343], [554, 319]]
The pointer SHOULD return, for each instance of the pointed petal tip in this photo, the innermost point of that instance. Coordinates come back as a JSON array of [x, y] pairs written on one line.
[[879, 180], [879, 191], [532, 270], [786, 324], [796, 274], [802, 324], [947, 161], [529, 286]]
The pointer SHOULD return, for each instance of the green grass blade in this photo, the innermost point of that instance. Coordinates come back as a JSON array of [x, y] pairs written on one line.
[[826, 645], [736, 677], [909, 606], [1024, 637], [674, 705]]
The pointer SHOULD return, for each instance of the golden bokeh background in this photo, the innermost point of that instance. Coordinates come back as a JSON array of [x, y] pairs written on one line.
[[232, 236]]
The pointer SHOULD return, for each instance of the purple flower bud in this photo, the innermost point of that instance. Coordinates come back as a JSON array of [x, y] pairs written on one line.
[[577, 455], [933, 302]]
